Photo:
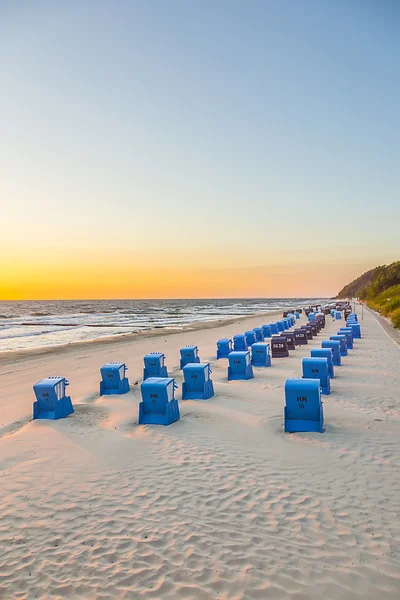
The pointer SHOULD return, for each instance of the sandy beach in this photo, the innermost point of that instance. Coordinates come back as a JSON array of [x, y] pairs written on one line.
[[221, 504]]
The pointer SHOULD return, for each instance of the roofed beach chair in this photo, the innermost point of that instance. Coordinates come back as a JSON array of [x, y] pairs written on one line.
[[250, 338], [317, 368], [300, 337], [154, 365], [267, 331], [239, 366], [158, 405], [274, 328], [279, 347], [303, 407], [239, 342], [343, 344], [334, 345], [224, 348], [325, 353], [113, 379], [197, 383], [189, 354], [259, 334], [51, 401], [261, 354]]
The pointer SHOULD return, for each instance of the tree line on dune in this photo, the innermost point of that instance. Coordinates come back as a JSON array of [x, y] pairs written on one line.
[[380, 288]]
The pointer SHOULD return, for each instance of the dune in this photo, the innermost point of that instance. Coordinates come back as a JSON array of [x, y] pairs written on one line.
[[221, 504]]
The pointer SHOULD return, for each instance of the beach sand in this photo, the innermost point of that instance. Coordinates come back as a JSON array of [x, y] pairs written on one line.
[[221, 504]]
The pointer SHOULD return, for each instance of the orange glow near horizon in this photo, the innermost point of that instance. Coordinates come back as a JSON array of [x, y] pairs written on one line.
[[71, 278]]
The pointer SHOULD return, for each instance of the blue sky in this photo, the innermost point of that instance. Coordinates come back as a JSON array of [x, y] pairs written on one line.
[[201, 135]]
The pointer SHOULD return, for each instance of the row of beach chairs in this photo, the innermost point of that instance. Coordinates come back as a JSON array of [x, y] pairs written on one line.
[[158, 403], [303, 405]]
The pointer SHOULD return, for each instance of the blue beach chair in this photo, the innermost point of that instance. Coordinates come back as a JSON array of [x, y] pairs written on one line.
[[51, 401], [154, 365], [158, 405], [197, 383], [343, 344], [239, 342], [261, 354], [259, 334], [113, 379], [274, 328], [325, 353], [267, 331], [303, 407], [224, 348], [250, 338], [348, 332], [317, 368], [334, 346], [189, 354], [239, 366]]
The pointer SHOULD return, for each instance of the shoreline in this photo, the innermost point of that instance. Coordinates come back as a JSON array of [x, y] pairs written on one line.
[[80, 363], [8, 356]]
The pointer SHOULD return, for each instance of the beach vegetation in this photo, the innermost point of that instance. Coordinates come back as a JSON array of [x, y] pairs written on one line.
[[395, 317], [380, 289]]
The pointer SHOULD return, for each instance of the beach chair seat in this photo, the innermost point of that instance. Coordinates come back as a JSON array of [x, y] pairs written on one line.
[[197, 384], [317, 368], [224, 348], [154, 365], [158, 405], [189, 354], [303, 406], [51, 401], [261, 354], [281, 326], [239, 366]]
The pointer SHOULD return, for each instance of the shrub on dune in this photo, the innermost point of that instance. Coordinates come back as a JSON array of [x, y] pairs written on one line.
[[395, 316]]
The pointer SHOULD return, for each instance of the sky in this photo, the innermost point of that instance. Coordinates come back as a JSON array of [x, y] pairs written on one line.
[[179, 148]]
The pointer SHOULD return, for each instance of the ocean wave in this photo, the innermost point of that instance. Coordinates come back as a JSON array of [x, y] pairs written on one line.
[[51, 323]]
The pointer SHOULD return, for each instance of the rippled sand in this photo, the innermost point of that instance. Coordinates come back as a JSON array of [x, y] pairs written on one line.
[[221, 504]]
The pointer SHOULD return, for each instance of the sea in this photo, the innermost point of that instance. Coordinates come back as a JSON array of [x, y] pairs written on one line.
[[27, 325]]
